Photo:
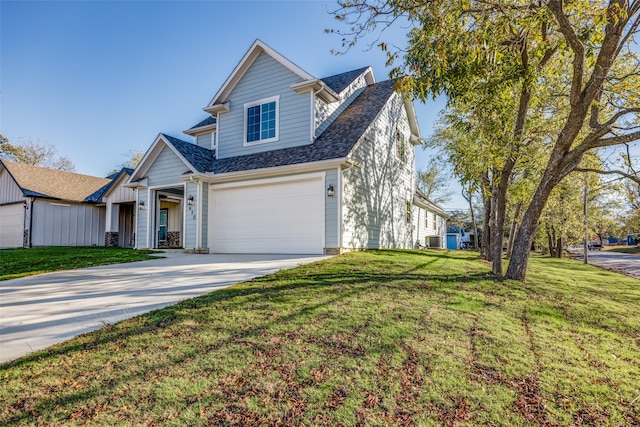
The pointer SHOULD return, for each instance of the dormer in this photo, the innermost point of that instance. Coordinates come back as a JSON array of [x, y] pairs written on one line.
[[205, 134], [346, 87]]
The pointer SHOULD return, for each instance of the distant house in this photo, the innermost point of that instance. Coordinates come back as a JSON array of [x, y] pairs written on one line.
[[47, 207], [429, 223], [286, 162]]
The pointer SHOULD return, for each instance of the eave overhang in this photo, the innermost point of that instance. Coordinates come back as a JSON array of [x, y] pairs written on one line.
[[318, 87]]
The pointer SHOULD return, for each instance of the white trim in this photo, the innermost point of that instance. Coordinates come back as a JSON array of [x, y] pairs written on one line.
[[199, 130], [150, 156], [245, 63], [149, 208], [184, 216], [312, 127], [340, 206], [268, 181], [199, 215], [261, 102], [136, 208], [274, 171]]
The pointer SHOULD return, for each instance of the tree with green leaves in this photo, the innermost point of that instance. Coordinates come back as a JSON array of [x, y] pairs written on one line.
[[35, 152], [466, 48], [433, 182]]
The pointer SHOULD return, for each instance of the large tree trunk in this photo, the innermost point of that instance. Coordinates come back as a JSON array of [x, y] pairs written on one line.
[[526, 233], [500, 208], [559, 247], [512, 230]]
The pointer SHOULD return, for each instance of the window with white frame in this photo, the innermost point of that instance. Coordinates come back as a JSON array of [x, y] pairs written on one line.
[[401, 152], [261, 120]]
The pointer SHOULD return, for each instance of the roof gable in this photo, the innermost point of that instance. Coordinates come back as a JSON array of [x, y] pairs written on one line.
[[36, 181], [245, 63], [339, 82], [335, 142], [195, 158]]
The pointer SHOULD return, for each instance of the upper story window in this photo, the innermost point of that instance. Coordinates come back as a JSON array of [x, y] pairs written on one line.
[[401, 150], [261, 120]]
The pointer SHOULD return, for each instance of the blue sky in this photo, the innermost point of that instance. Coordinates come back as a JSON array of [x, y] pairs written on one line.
[[99, 78]]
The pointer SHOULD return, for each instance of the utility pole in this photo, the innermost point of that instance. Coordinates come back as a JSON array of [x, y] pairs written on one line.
[[586, 224]]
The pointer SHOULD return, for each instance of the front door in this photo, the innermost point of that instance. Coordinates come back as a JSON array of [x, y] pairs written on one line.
[[162, 226]]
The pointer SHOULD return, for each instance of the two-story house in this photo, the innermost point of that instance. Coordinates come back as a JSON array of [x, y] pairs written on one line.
[[284, 163]]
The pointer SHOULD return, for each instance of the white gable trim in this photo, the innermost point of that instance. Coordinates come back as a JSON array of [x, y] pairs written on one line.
[[247, 60], [123, 178], [150, 156]]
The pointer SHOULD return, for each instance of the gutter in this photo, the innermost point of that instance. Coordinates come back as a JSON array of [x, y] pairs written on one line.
[[267, 172]]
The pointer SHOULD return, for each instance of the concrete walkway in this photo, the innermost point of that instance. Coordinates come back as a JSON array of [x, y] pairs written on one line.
[[38, 311]]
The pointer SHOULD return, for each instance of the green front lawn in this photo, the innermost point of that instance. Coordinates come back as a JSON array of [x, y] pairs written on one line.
[[16, 263], [370, 338]]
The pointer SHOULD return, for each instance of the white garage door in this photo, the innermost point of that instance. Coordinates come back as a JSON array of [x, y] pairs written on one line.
[[11, 226], [285, 217]]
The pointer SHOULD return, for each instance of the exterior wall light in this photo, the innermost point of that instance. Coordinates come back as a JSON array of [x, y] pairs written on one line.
[[25, 205], [141, 206], [190, 201], [330, 191]]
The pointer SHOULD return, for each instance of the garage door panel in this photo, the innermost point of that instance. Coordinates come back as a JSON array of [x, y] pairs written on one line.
[[285, 217], [11, 225]]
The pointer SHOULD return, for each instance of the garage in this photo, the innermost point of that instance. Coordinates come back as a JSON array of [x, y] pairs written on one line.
[[11, 225], [284, 216]]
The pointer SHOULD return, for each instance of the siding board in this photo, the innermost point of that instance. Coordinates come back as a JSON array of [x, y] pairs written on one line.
[[294, 109]]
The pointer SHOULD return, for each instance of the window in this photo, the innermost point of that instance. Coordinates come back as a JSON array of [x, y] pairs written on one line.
[[408, 212], [401, 153], [261, 120], [162, 225]]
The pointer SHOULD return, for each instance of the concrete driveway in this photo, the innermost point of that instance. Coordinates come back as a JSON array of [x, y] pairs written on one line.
[[38, 311]]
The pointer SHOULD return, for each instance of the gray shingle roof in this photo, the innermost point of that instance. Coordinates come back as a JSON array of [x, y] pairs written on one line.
[[199, 157], [339, 82], [206, 122], [335, 142]]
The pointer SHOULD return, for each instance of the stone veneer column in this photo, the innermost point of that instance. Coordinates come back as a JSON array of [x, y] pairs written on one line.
[[111, 239]]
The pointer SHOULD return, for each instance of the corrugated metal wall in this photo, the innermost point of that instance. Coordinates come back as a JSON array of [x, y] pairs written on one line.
[[66, 224]]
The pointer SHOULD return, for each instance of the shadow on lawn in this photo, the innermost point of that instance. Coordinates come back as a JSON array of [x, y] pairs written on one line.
[[334, 289]]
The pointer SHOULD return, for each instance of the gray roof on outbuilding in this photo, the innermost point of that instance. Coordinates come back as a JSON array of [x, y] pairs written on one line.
[[339, 82], [335, 142]]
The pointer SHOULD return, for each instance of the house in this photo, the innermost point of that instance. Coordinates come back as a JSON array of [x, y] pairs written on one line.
[[286, 163], [47, 207], [429, 223]]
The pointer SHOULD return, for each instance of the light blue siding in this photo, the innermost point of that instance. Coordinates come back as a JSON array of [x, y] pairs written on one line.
[[204, 140], [166, 169], [205, 214], [265, 78], [141, 219], [331, 211]]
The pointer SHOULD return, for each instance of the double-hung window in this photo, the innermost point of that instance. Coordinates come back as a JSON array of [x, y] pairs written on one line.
[[261, 120]]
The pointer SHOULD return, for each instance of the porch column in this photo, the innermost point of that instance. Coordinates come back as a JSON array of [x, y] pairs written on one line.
[[112, 218]]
